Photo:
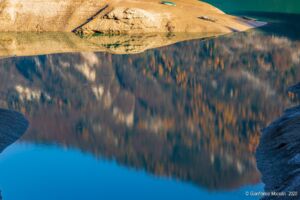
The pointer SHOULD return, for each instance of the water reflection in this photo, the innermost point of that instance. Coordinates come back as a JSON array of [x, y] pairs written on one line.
[[12, 127], [191, 111], [29, 44]]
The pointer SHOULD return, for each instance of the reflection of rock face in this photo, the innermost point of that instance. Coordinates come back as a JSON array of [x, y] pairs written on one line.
[[192, 111], [278, 154], [12, 127], [29, 44]]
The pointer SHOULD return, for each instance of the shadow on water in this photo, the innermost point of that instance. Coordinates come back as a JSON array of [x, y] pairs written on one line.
[[279, 24], [283, 16], [278, 154]]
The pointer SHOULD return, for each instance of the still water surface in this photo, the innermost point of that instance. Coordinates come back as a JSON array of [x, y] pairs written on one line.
[[177, 122], [57, 173]]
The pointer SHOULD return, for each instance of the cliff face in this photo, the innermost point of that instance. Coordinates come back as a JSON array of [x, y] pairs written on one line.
[[116, 17]]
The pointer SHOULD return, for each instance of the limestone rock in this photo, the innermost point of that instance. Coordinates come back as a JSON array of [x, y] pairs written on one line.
[[116, 17]]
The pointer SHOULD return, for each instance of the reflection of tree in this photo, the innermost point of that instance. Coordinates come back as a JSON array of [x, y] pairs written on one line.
[[192, 111]]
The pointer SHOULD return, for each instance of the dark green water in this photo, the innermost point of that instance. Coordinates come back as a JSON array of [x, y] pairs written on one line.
[[275, 6], [282, 16]]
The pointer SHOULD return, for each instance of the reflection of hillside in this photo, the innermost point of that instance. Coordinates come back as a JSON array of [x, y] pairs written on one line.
[[192, 111], [30, 44]]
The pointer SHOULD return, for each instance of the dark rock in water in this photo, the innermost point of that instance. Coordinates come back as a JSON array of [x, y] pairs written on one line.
[[295, 88], [12, 127], [249, 18], [278, 155], [207, 18]]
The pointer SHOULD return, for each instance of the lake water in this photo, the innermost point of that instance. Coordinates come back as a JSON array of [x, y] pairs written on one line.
[[176, 122], [269, 6]]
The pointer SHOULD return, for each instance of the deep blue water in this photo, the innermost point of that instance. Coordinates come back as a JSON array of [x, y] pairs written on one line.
[[36, 172]]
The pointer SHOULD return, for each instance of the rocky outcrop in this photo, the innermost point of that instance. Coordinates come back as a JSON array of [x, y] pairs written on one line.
[[278, 155], [12, 127], [117, 17]]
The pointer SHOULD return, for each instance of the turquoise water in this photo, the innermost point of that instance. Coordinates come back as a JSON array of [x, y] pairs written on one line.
[[271, 6]]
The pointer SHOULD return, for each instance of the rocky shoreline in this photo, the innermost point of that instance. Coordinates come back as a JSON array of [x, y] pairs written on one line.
[[278, 154], [12, 127], [118, 17]]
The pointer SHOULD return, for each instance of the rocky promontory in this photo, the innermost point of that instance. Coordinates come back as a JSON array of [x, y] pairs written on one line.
[[117, 17], [278, 154], [12, 127]]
